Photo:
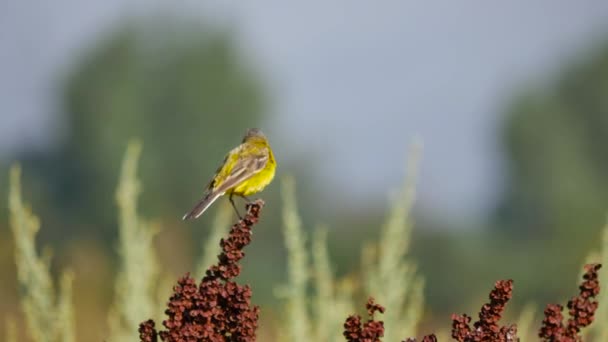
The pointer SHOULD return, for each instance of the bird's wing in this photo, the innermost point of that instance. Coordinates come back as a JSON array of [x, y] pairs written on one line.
[[238, 166], [244, 167]]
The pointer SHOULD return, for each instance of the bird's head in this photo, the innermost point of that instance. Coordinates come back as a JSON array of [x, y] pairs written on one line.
[[254, 134]]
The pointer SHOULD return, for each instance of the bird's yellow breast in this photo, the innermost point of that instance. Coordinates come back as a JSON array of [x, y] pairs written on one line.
[[259, 181]]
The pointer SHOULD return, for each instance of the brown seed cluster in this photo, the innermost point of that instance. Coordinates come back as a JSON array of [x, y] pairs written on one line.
[[370, 331], [428, 338], [580, 308], [147, 333], [218, 309], [487, 328], [552, 328]]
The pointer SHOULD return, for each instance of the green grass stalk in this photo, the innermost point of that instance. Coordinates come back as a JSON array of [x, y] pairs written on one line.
[[47, 319], [525, 329], [135, 286], [298, 324], [392, 280]]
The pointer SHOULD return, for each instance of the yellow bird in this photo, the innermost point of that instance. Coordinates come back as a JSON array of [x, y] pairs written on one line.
[[246, 170]]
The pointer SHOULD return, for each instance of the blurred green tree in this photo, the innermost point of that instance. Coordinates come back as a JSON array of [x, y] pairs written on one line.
[[184, 89], [556, 142]]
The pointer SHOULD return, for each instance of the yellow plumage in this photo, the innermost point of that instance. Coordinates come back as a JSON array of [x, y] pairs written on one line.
[[246, 170]]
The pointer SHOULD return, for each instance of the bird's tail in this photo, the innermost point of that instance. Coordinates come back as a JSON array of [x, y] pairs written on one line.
[[202, 205]]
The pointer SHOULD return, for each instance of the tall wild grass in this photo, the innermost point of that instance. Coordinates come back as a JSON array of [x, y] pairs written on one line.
[[316, 302]]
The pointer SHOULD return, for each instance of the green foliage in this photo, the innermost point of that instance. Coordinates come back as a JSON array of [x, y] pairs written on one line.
[[387, 274], [66, 321], [392, 279], [298, 323], [526, 329], [555, 198], [138, 277], [48, 318], [332, 302], [555, 139]]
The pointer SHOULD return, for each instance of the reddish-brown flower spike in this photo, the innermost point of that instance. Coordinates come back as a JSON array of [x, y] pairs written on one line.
[[372, 307], [147, 333], [352, 328], [487, 328], [580, 308], [370, 331], [218, 309], [491, 312], [461, 330], [427, 338]]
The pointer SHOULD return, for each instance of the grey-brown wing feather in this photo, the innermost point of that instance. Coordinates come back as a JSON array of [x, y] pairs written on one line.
[[242, 170]]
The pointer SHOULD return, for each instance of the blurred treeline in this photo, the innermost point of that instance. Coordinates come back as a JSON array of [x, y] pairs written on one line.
[[188, 94]]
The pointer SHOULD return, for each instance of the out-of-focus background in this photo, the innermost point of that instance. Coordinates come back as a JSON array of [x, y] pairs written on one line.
[[509, 99]]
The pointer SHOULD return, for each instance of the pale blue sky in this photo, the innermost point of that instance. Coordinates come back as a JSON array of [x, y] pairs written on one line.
[[379, 73]]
